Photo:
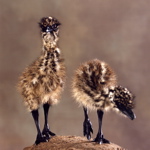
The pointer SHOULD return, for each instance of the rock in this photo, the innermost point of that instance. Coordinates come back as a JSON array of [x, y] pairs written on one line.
[[72, 143]]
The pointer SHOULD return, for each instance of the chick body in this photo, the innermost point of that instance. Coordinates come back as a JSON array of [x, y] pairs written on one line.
[[93, 85]]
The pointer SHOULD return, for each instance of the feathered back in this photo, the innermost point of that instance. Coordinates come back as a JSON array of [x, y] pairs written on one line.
[[92, 82]]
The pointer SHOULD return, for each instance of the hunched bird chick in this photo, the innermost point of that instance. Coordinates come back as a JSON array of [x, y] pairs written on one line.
[[42, 82], [95, 87]]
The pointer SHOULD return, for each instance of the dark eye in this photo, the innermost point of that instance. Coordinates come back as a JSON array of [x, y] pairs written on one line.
[[43, 29], [54, 27]]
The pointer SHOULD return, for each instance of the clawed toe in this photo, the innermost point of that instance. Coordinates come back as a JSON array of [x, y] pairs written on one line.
[[47, 133], [87, 129], [51, 133], [40, 139], [101, 140]]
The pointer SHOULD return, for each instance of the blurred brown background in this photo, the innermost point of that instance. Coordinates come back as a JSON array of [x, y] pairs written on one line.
[[116, 31]]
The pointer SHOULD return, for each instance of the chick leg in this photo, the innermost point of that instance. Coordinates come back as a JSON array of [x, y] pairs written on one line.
[[87, 125], [100, 138], [39, 137], [46, 130]]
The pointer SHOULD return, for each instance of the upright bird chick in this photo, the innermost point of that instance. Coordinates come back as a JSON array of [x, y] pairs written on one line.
[[95, 87], [43, 81]]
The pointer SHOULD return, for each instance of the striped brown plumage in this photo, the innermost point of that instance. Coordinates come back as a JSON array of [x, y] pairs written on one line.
[[92, 82], [42, 82], [95, 87]]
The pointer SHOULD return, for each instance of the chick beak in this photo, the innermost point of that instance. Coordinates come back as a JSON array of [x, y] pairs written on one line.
[[48, 29], [126, 111], [129, 113]]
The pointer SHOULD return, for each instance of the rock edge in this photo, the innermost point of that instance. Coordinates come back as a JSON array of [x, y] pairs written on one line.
[[72, 143]]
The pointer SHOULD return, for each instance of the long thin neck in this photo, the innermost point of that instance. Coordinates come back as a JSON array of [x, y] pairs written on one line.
[[49, 41], [51, 53], [49, 46]]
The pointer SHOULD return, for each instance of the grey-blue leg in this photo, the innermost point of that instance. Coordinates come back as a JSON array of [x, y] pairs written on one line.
[[87, 125], [100, 138], [39, 137], [46, 130]]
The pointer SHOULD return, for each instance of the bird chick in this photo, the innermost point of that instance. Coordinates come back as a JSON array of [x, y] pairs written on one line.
[[95, 87], [42, 82]]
